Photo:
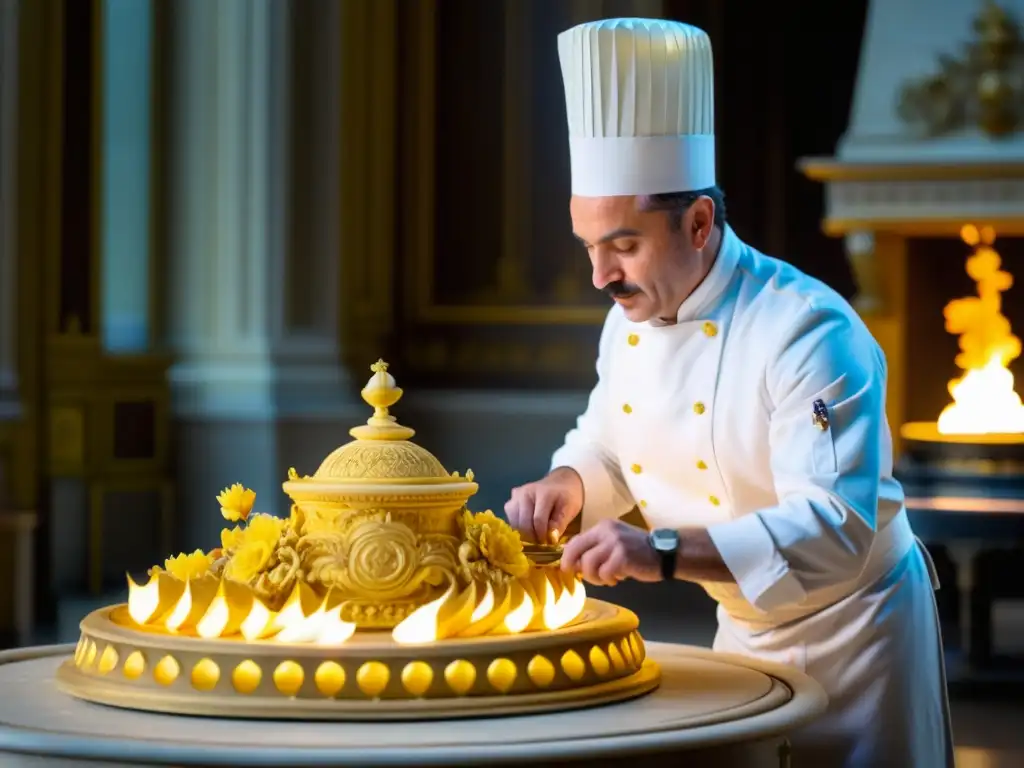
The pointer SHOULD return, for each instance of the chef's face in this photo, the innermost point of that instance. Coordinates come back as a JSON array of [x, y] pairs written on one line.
[[648, 261]]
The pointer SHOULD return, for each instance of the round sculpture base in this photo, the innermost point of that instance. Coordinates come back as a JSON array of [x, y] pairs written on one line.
[[711, 710], [597, 659], [986, 465]]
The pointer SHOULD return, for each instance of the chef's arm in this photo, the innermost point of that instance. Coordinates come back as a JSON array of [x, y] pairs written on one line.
[[827, 480], [589, 451]]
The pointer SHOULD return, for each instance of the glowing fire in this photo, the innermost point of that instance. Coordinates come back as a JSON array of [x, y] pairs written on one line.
[[545, 600], [209, 607], [984, 401]]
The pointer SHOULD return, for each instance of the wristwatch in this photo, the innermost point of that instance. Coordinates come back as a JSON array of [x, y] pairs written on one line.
[[665, 542]]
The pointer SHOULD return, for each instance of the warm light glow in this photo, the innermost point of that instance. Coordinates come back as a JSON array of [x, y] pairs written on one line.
[[984, 400], [212, 609], [232, 608], [181, 610], [258, 622], [519, 618], [485, 607], [215, 620], [143, 601], [567, 606], [422, 624]]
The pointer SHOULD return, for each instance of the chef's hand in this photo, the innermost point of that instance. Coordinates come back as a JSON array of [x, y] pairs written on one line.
[[610, 552], [541, 511]]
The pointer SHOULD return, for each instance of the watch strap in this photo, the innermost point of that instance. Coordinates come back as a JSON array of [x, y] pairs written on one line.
[[666, 544], [668, 565]]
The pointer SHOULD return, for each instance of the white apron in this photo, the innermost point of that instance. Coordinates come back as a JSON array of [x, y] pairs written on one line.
[[709, 422]]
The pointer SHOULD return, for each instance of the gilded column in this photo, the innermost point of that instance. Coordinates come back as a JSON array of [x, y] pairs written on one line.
[[9, 400]]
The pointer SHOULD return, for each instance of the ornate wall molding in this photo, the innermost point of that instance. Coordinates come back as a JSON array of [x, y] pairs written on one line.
[[504, 302], [920, 199]]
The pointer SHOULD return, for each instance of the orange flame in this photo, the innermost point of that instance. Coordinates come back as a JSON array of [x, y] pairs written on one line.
[[984, 400]]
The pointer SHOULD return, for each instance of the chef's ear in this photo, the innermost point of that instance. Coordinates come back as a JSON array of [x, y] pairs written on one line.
[[702, 218]]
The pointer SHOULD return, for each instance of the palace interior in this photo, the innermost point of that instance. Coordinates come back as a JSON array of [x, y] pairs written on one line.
[[214, 216]]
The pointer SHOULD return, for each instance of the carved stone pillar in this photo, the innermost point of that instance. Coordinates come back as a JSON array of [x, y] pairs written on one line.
[[253, 245], [860, 250]]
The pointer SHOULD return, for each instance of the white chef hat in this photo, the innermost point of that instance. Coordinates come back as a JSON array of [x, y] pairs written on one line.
[[639, 97]]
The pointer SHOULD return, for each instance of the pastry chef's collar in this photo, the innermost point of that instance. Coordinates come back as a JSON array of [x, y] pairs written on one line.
[[713, 285]]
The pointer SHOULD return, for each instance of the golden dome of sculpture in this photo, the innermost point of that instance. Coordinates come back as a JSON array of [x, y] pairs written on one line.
[[381, 450], [382, 468]]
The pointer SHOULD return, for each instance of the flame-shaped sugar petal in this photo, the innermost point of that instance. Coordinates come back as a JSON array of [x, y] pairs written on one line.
[[195, 601], [216, 618], [181, 609], [485, 606], [333, 629], [143, 600], [258, 622], [456, 614], [560, 611], [149, 603], [299, 611], [501, 605], [421, 625], [519, 618], [300, 629], [542, 593]]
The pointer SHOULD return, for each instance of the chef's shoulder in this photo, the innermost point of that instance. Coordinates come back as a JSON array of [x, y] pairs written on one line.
[[805, 328]]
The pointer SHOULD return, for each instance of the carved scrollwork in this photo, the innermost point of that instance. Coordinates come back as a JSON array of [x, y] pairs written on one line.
[[369, 556]]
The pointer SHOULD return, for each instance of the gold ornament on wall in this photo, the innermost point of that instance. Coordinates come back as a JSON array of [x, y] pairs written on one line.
[[983, 87]]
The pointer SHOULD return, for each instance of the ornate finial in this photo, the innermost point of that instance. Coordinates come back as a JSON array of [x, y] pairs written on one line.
[[381, 392]]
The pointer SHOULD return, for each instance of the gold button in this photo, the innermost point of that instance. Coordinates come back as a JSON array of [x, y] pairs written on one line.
[[633, 339], [698, 408], [627, 408], [636, 469], [710, 329], [714, 500], [701, 465], [643, 503]]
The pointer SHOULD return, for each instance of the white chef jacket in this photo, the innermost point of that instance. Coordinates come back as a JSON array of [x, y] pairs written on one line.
[[709, 422]]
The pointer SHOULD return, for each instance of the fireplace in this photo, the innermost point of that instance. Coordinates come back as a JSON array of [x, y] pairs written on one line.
[[933, 162], [929, 174], [976, 445]]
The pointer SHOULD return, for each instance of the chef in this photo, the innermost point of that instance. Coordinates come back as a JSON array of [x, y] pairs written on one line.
[[740, 406]]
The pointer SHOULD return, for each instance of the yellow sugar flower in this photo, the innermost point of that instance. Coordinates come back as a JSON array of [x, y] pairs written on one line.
[[236, 502], [486, 518], [496, 540], [187, 567], [230, 538], [258, 543], [503, 549]]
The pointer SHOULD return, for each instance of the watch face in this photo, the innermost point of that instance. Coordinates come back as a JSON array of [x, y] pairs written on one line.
[[664, 540]]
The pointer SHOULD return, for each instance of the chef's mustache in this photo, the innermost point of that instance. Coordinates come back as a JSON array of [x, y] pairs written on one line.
[[619, 289]]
